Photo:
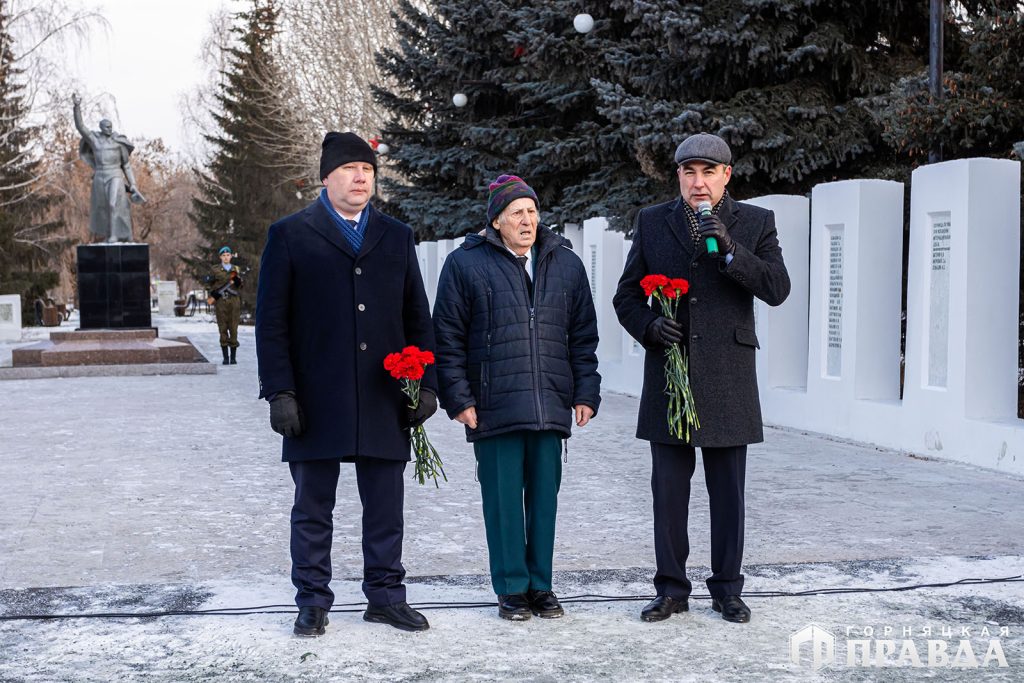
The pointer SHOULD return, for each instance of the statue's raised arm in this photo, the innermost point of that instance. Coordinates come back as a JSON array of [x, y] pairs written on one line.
[[79, 124]]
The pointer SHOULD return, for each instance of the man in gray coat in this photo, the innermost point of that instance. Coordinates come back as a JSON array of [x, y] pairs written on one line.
[[715, 325]]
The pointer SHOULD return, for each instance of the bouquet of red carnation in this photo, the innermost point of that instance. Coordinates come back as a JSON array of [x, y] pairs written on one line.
[[682, 414], [409, 366]]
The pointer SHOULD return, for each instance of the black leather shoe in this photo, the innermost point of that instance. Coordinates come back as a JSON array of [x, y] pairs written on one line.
[[514, 607], [732, 609], [662, 607], [224, 350], [544, 604], [233, 361], [399, 615], [311, 622]]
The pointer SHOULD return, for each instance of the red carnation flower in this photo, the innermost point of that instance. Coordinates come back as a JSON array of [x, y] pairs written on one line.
[[652, 282], [409, 366]]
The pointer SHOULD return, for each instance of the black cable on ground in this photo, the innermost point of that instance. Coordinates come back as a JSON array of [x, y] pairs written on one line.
[[582, 598]]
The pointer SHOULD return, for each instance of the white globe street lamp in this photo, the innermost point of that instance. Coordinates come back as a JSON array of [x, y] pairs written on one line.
[[583, 23]]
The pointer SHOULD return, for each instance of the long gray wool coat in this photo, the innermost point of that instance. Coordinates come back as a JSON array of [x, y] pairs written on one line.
[[717, 316]]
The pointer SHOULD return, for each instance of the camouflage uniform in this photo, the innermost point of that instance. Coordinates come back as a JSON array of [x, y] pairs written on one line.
[[224, 286]]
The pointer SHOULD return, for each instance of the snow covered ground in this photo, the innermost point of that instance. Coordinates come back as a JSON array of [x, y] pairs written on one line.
[[135, 494]]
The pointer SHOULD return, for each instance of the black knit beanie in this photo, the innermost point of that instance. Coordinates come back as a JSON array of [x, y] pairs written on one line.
[[343, 148]]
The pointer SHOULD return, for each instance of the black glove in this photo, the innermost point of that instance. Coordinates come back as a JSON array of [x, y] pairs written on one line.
[[663, 332], [711, 226], [286, 416], [427, 407]]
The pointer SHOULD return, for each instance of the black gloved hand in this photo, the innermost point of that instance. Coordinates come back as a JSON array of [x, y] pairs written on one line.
[[427, 407], [663, 332], [711, 226], [286, 416]]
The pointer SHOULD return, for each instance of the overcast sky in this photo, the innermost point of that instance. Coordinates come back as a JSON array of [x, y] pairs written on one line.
[[147, 60]]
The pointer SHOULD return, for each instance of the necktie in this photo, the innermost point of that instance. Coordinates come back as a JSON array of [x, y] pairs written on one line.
[[529, 281], [351, 223]]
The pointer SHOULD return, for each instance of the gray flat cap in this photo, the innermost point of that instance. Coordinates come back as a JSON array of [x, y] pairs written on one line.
[[704, 147]]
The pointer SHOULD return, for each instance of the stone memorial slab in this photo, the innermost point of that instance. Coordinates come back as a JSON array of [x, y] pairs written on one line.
[[834, 317], [938, 308], [604, 261], [166, 293], [10, 317], [854, 301], [962, 293], [782, 330]]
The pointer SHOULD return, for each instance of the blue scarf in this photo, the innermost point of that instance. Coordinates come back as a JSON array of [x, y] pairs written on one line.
[[353, 234]]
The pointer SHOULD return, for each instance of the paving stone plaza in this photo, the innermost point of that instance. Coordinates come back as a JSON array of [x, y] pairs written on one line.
[[166, 493]]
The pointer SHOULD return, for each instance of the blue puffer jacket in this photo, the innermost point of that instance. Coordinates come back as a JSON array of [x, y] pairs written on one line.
[[523, 363]]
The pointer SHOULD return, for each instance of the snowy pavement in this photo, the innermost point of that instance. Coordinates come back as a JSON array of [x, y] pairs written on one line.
[[136, 494]]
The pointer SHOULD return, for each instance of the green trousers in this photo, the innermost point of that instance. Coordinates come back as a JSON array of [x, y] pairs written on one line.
[[520, 473], [228, 310]]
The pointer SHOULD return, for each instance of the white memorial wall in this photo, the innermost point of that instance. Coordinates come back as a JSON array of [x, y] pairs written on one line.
[[830, 355]]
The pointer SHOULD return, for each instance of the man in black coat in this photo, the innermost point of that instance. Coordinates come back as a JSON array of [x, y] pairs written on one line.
[[339, 289], [715, 325], [516, 357]]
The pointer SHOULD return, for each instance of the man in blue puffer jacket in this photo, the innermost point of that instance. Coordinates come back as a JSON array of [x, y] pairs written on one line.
[[516, 357]]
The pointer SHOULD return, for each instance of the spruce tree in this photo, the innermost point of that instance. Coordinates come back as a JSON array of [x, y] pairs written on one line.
[[29, 244], [568, 150], [443, 156], [981, 111], [783, 81], [257, 165], [531, 110], [593, 120]]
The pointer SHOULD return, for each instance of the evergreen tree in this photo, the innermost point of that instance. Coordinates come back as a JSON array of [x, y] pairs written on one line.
[[257, 165], [981, 112], [443, 156], [593, 120], [29, 244], [568, 150], [783, 81], [530, 110]]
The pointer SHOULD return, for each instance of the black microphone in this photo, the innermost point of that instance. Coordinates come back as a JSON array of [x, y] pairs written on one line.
[[704, 209]]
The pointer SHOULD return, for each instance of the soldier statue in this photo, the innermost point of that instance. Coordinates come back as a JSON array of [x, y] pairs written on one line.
[[113, 183]]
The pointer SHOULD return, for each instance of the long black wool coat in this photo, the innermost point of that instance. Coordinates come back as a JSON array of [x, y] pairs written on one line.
[[325, 320], [717, 315], [522, 361]]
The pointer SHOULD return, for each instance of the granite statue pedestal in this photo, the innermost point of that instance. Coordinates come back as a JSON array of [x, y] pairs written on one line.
[[113, 286]]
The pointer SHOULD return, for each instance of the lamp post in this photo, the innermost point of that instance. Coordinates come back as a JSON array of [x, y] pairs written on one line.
[[935, 68]]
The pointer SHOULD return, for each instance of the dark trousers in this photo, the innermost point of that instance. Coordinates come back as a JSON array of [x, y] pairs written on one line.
[[520, 473], [229, 310], [725, 472], [381, 491]]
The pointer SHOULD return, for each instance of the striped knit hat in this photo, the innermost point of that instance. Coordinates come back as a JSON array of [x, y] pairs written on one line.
[[505, 190]]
